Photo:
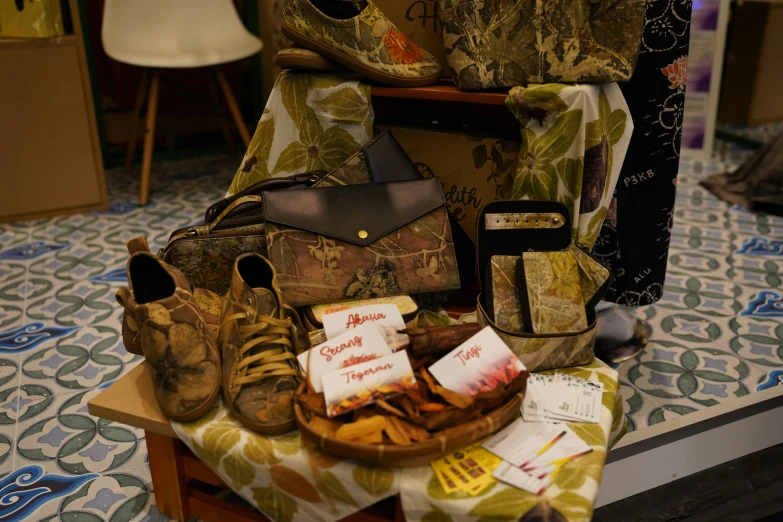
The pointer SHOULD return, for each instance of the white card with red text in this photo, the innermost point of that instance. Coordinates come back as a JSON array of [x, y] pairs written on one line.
[[478, 365], [353, 347], [379, 315], [362, 384], [514, 476]]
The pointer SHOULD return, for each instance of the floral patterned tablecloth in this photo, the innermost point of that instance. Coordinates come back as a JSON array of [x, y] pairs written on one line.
[[289, 480]]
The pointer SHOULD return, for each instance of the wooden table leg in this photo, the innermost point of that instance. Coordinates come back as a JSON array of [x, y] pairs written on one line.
[[233, 107], [168, 475], [149, 140], [133, 136]]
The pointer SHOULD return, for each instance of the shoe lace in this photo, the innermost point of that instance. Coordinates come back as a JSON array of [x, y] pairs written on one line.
[[269, 362]]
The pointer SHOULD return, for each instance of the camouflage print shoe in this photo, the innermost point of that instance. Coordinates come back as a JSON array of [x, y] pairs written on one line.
[[260, 371], [175, 339], [208, 302], [358, 35]]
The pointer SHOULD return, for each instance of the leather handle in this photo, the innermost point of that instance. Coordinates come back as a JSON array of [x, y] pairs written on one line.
[[233, 207], [308, 178]]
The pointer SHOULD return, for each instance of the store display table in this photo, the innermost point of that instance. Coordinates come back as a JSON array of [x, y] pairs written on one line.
[[180, 479], [291, 481]]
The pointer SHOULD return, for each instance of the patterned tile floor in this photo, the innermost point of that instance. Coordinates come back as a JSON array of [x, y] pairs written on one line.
[[716, 333], [60, 344]]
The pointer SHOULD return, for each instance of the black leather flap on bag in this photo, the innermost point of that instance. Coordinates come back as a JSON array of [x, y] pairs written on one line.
[[387, 161], [358, 214]]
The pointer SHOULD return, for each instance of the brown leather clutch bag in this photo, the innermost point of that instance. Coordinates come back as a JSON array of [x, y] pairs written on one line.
[[360, 241]]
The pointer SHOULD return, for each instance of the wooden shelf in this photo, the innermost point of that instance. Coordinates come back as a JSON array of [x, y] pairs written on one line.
[[442, 91], [34, 43], [47, 104]]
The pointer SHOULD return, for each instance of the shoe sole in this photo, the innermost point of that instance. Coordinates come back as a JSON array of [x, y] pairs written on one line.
[[308, 63], [369, 72], [277, 429]]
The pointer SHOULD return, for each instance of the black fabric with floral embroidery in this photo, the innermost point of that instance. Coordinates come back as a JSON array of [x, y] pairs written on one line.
[[634, 240]]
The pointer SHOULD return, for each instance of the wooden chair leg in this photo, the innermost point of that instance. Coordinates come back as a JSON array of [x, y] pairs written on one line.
[[233, 107], [213, 92], [149, 140], [141, 94], [168, 475]]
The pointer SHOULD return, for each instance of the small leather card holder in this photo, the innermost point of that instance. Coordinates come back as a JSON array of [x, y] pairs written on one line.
[[595, 277], [551, 292]]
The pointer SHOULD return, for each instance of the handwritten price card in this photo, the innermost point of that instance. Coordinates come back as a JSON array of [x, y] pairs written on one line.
[[478, 365], [384, 315], [355, 346], [363, 384]]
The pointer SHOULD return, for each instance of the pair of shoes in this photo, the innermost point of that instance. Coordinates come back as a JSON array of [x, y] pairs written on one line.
[[251, 357], [358, 36]]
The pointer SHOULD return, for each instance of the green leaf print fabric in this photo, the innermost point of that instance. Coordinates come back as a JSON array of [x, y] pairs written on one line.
[[310, 122], [289, 480], [574, 140]]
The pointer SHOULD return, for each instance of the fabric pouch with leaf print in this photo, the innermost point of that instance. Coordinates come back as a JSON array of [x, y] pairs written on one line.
[[574, 141], [503, 43]]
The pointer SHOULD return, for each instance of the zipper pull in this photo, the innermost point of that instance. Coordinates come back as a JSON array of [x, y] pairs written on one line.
[[191, 232]]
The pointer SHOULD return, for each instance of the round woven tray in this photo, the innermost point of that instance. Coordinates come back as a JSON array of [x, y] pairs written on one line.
[[413, 455]]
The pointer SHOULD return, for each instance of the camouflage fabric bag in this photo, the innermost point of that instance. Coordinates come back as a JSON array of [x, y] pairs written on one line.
[[505, 43], [360, 241]]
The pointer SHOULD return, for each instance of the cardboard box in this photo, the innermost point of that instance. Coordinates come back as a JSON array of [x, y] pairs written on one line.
[[472, 169], [419, 21]]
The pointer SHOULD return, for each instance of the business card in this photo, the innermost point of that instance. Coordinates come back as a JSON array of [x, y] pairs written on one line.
[[561, 398], [520, 442], [520, 479], [361, 384], [384, 315], [478, 365], [404, 304], [352, 347]]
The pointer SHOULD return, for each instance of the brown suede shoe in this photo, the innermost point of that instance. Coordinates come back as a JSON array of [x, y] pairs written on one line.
[[257, 341], [175, 339], [209, 305]]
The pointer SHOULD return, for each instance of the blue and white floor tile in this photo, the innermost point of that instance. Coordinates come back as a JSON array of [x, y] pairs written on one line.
[[63, 437], [60, 344], [717, 331]]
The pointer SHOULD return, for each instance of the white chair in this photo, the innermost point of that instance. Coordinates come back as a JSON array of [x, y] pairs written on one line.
[[157, 34]]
